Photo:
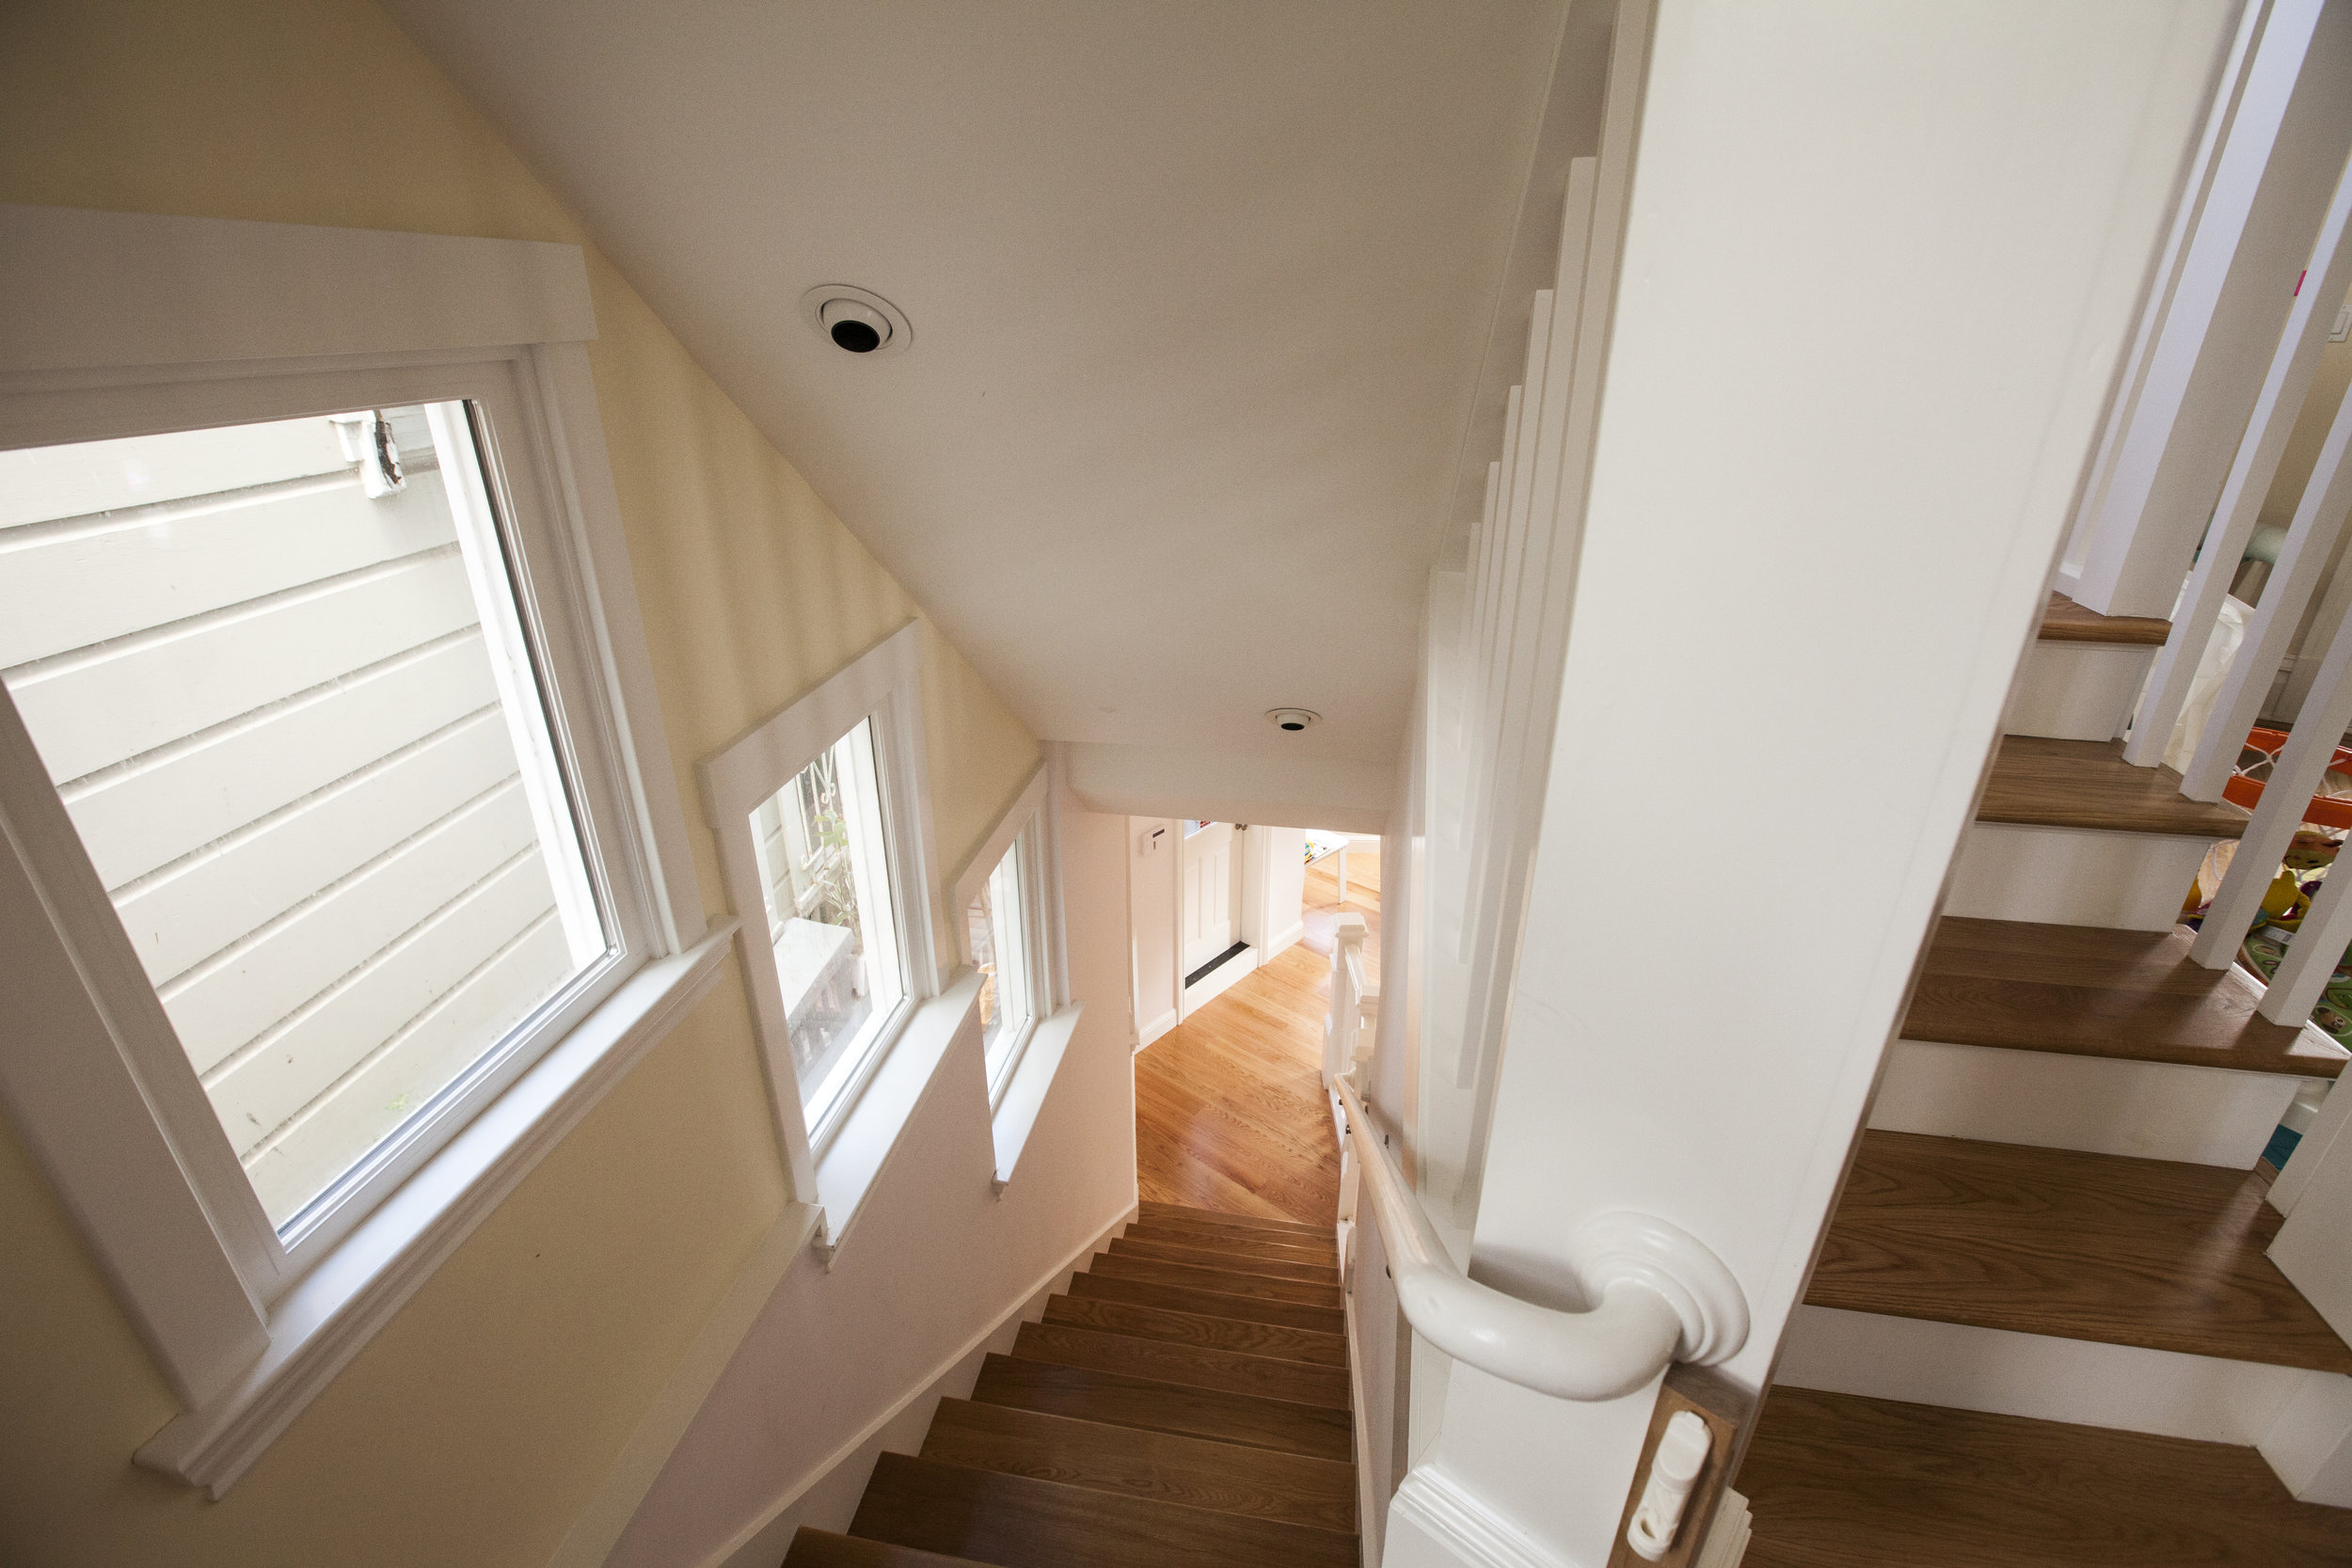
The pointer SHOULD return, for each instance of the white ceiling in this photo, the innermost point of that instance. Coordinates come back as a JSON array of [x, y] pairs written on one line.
[[1200, 292]]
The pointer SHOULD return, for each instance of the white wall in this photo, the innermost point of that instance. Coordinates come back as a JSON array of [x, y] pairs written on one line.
[[1880, 267], [1274, 889], [1154, 868], [781, 1440]]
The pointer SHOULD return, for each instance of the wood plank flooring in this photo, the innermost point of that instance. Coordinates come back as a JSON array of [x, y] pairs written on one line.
[[2064, 621], [1836, 1481], [2086, 991], [1229, 1106], [2087, 783], [1152, 1435], [2078, 1246]]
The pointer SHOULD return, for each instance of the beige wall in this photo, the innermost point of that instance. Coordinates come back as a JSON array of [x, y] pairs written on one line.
[[473, 1427]]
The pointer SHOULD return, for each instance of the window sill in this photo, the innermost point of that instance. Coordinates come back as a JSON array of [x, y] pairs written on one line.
[[870, 1134], [1025, 1095], [324, 1320]]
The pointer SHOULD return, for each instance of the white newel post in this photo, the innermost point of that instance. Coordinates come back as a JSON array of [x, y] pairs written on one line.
[[1341, 1029], [1835, 505]]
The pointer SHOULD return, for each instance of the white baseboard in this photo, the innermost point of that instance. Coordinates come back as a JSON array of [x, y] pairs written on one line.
[[1436, 1522], [2147, 1110], [1727, 1540], [2080, 1381], [2077, 691], [746, 1548], [1223, 977], [1154, 1029], [1284, 941], [2072, 876]]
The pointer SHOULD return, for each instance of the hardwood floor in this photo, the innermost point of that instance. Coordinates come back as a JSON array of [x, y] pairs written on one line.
[[1229, 1108], [2064, 621], [2087, 783], [1841, 1481], [1169, 1433]]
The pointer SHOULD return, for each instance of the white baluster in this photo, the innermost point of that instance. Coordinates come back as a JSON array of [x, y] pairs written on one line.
[[2310, 538], [2292, 369]]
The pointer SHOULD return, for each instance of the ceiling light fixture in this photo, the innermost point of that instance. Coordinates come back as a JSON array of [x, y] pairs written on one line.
[[1291, 719], [857, 320]]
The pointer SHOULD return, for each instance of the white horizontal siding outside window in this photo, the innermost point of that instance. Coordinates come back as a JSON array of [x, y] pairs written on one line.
[[341, 863], [278, 675]]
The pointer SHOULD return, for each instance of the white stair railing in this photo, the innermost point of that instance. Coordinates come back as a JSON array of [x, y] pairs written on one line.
[[1355, 1002], [1658, 1294]]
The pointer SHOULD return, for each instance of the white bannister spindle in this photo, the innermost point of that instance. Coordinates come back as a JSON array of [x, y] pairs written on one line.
[[2309, 540], [2289, 381]]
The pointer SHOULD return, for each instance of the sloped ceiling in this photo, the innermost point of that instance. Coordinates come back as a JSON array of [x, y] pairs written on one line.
[[1201, 295]]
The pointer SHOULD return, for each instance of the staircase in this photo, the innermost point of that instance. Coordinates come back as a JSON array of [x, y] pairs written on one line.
[[1185, 1405], [2042, 1330]]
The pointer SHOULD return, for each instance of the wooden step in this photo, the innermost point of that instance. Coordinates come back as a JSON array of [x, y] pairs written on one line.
[[1222, 1477], [2077, 1247], [1149, 1211], [991, 1516], [2087, 785], [2087, 990], [819, 1548], [1289, 1249], [1209, 1304], [1190, 1365], [2064, 621], [1191, 1329], [1231, 1260], [1836, 1481], [1136, 1402], [1147, 1271]]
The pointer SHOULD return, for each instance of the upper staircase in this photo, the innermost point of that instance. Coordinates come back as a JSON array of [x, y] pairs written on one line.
[[1184, 1406], [2043, 1328]]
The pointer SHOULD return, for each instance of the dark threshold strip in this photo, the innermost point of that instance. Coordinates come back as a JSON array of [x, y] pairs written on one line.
[[1194, 978]]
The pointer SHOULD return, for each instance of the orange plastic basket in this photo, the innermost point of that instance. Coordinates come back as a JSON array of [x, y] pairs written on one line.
[[2326, 811]]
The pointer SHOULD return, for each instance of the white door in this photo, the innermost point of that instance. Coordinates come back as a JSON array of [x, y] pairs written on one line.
[[1208, 891]]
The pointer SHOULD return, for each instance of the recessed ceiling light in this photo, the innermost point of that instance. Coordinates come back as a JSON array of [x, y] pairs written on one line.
[[1291, 719], [857, 320]]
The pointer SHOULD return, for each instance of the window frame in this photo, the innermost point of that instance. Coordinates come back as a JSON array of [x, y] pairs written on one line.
[[884, 687], [130, 323], [1022, 833]]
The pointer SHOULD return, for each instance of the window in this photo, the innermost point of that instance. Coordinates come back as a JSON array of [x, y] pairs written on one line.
[[824, 873], [995, 928], [277, 675], [823, 840], [340, 858]]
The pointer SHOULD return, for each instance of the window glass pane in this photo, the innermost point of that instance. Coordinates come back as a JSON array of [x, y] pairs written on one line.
[[824, 870], [277, 672], [995, 922]]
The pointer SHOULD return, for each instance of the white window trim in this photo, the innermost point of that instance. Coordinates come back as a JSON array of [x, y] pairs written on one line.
[[1017, 1093], [124, 322], [883, 685]]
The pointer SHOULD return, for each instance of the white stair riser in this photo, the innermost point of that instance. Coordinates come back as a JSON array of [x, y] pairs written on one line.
[[2077, 691], [2148, 1110], [2289, 1414], [2073, 876]]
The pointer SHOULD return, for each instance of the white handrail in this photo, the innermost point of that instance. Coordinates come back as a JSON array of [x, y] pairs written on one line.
[[1661, 1296]]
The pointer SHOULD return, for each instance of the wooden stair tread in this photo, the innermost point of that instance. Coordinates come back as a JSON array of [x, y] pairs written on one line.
[[989, 1516], [821, 1548], [2085, 783], [1325, 1253], [1191, 1329], [1148, 1211], [1228, 1281], [2078, 1246], [1231, 1262], [1192, 1366], [1121, 1400], [2086, 991], [2064, 621], [1222, 1477], [1836, 1481], [1210, 1304]]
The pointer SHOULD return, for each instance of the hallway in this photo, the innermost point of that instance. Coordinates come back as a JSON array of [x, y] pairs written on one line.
[[1230, 1107]]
